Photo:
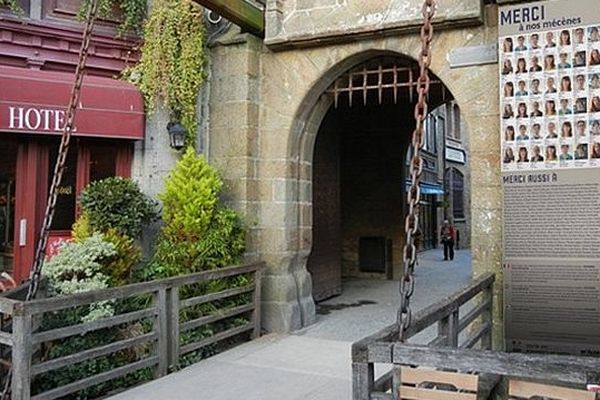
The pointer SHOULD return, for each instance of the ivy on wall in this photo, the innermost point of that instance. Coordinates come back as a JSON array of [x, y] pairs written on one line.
[[12, 5], [171, 68], [132, 13]]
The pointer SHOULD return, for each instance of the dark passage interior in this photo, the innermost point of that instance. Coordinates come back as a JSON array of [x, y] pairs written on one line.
[[358, 196]]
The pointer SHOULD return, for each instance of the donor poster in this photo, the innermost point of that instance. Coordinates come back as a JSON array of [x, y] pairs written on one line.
[[550, 141]]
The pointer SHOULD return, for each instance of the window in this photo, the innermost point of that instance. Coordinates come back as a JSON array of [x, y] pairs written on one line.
[[455, 185], [456, 122], [430, 144]]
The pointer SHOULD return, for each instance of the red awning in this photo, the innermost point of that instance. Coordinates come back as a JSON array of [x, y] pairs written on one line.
[[33, 101]]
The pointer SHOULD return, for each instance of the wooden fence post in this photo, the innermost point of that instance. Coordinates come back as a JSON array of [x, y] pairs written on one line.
[[453, 328], [173, 325], [488, 317], [363, 378], [160, 327], [256, 299], [444, 330], [21, 357]]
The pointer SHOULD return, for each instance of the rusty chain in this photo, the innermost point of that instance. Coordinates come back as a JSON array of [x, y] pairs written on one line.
[[40, 254], [407, 283]]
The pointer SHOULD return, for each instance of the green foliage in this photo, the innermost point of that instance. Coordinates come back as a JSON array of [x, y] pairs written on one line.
[[190, 196], [119, 267], [85, 369], [198, 233], [77, 268], [82, 229], [171, 68], [133, 13], [117, 203], [12, 5]]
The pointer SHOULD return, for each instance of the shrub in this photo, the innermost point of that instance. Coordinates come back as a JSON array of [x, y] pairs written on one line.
[[117, 203], [198, 233], [77, 268], [120, 267]]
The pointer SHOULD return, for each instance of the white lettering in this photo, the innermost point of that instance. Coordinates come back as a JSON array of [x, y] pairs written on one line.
[[46, 114], [59, 120], [38, 119], [14, 118]]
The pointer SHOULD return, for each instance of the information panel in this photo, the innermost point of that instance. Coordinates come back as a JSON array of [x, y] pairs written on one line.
[[550, 134]]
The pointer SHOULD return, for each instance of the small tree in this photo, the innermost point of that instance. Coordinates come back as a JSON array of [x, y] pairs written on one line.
[[117, 203], [198, 233]]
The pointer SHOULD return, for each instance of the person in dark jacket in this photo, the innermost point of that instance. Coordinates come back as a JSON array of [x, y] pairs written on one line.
[[448, 238]]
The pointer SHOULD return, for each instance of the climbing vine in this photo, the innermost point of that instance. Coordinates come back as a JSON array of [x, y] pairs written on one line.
[[171, 68], [132, 13], [12, 5]]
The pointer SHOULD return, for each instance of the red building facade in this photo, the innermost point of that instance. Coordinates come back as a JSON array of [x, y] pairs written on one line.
[[38, 55]]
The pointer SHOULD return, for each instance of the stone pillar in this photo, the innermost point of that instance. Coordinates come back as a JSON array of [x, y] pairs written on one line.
[[232, 145]]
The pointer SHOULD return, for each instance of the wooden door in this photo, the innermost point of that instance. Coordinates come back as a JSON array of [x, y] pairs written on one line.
[[325, 260]]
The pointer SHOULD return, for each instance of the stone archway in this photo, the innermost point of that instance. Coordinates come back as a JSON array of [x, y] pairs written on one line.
[[292, 110]]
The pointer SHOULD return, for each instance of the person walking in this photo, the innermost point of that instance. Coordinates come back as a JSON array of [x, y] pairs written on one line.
[[448, 238]]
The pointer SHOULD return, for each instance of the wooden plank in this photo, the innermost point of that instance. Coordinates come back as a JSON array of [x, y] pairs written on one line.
[[360, 348], [549, 367], [384, 382], [396, 382], [243, 13], [216, 338], [193, 301], [416, 376], [363, 377], [473, 339], [92, 353], [256, 316], [21, 357], [59, 303], [380, 352], [530, 389], [438, 341], [217, 316], [173, 326], [488, 318], [160, 327], [6, 338], [473, 315], [96, 379], [412, 393], [86, 327], [381, 396], [445, 307], [7, 305]]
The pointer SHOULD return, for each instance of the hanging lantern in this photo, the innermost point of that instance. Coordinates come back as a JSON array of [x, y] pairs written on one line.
[[177, 134]]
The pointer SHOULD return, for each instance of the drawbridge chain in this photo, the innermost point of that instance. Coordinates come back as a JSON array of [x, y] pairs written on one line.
[[40, 254], [407, 283]]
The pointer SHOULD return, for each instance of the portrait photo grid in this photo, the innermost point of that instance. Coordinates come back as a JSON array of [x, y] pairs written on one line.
[[550, 99]]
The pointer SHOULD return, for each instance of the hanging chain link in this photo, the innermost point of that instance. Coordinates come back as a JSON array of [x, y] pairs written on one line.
[[407, 283], [63, 150]]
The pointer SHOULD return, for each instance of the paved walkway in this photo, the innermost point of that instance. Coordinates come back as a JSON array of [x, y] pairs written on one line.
[[314, 363]]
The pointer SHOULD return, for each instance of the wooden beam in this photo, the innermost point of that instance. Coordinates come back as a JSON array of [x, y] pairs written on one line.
[[241, 12]]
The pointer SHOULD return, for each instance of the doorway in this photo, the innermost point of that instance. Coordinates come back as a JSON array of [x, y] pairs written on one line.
[[8, 170], [359, 175]]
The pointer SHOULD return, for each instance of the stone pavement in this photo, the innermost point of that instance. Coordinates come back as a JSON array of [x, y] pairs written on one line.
[[314, 363]]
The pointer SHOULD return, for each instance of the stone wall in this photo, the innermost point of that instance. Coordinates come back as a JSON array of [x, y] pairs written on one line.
[[292, 22], [269, 164]]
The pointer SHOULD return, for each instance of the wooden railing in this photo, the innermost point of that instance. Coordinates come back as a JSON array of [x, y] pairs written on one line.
[[170, 319], [454, 349]]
